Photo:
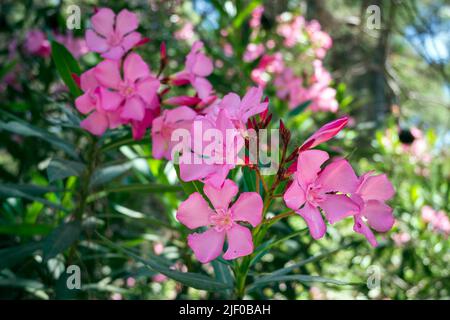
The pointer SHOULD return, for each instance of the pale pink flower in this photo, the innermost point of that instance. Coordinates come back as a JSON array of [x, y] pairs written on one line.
[[228, 49], [131, 282], [133, 93], [253, 52], [438, 220], [292, 31], [401, 238], [164, 126], [112, 35], [159, 278], [256, 16], [37, 43], [313, 188], [321, 41], [186, 32], [116, 296], [268, 64], [371, 194], [222, 221], [287, 84]]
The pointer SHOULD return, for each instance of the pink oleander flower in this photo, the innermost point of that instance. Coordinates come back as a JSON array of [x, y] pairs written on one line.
[[164, 126], [37, 43], [98, 120], [223, 221], [112, 35], [210, 161], [186, 32], [253, 52], [327, 189], [197, 65], [239, 110], [325, 133], [131, 94], [371, 194], [228, 49]]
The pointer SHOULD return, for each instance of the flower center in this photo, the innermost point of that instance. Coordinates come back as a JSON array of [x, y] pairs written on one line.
[[222, 220], [114, 39], [127, 89], [314, 194]]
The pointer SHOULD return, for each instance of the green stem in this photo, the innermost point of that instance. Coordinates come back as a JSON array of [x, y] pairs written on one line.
[[86, 178]]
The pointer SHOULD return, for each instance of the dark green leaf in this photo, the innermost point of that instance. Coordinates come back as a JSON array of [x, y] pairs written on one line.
[[14, 255], [106, 174], [61, 238], [13, 192], [66, 65], [300, 108], [61, 169]]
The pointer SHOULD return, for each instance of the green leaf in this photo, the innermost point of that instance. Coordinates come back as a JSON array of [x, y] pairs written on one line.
[[189, 187], [16, 282], [61, 238], [60, 169], [243, 14], [7, 191], [146, 188], [223, 274], [11, 256], [26, 229], [296, 277], [25, 129], [106, 174], [300, 108], [194, 280], [66, 65], [7, 67], [249, 177]]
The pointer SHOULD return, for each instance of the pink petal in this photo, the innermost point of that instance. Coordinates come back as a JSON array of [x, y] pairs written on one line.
[[96, 123], [207, 245], [221, 197], [203, 87], [107, 74], [95, 42], [248, 208], [203, 65], [294, 197], [376, 187], [110, 100], [114, 53], [159, 146], [84, 103], [88, 80], [182, 101], [231, 103], [192, 171], [218, 175], [338, 176], [325, 133], [180, 114], [133, 109], [362, 228], [103, 21], [126, 22], [251, 103], [308, 165], [379, 215], [131, 40], [194, 212], [240, 242], [114, 119], [134, 68], [338, 207], [147, 89], [314, 220]]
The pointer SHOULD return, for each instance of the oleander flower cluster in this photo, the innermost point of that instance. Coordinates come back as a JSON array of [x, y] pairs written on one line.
[[122, 90]]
